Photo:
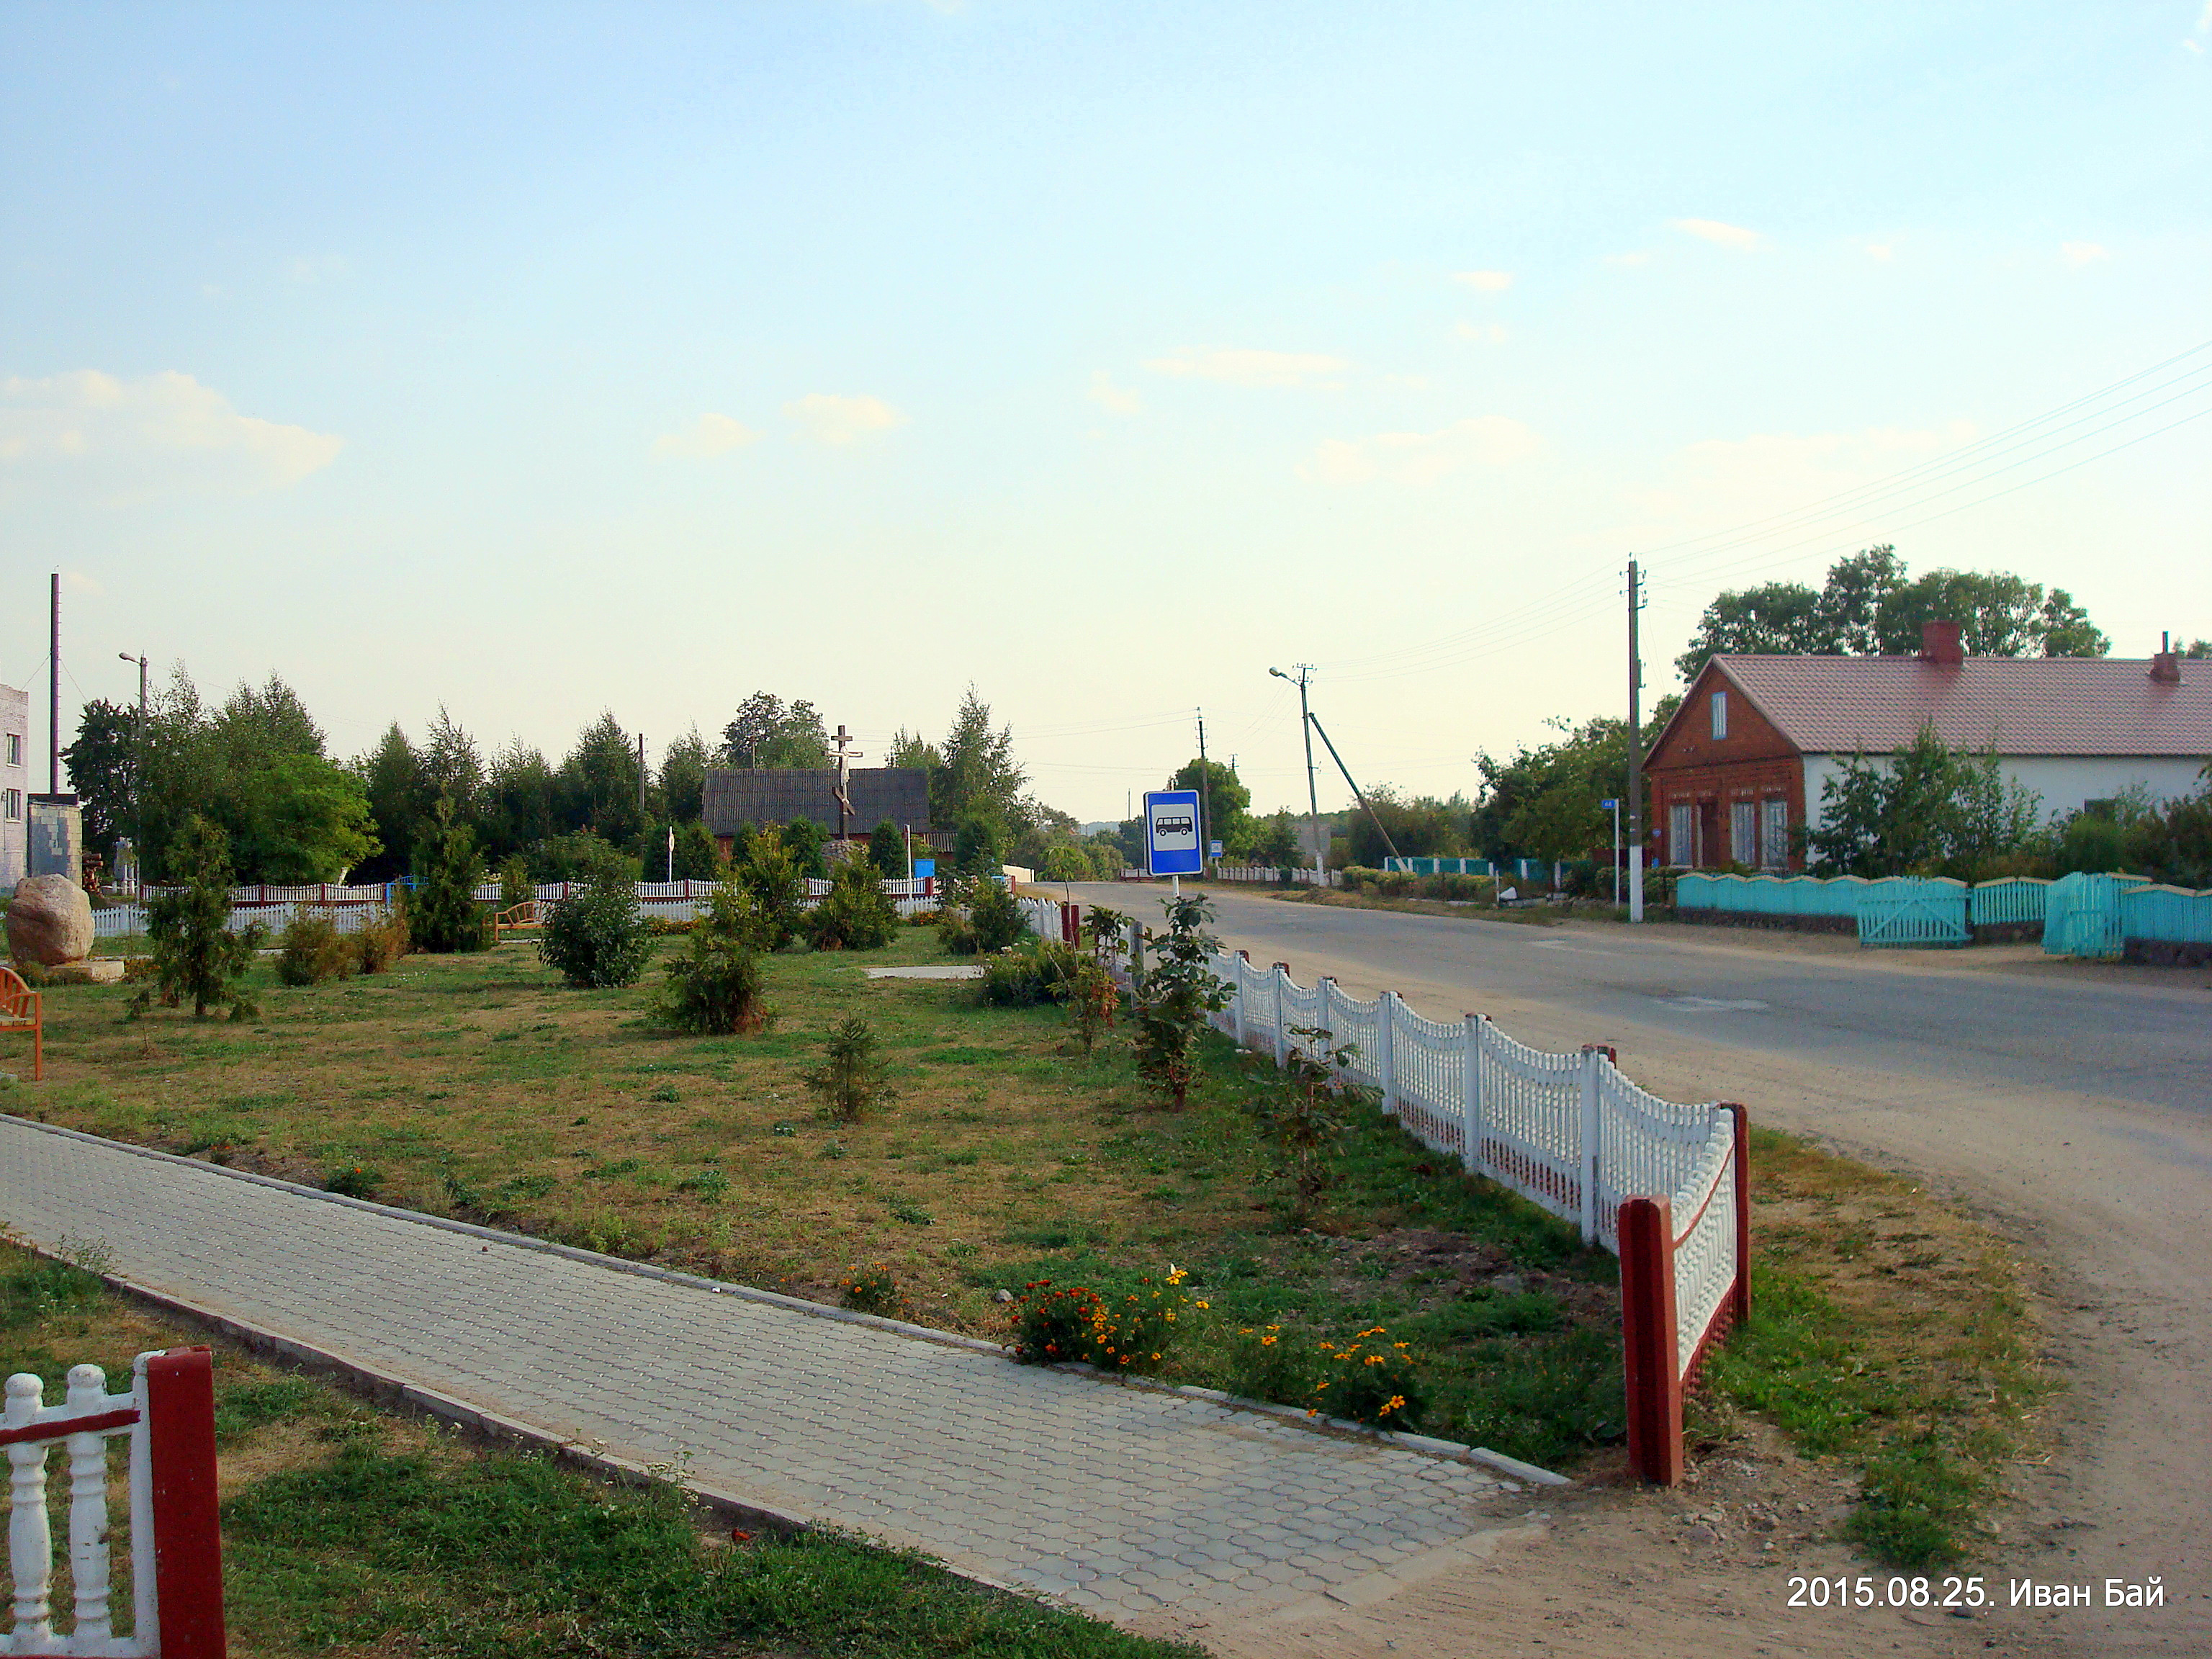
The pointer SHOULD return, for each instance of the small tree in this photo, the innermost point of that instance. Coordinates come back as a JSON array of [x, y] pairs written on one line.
[[1301, 1109], [1180, 990], [976, 843], [195, 953], [887, 851], [714, 987], [598, 939], [856, 913], [804, 839], [442, 913], [1930, 810], [697, 857], [850, 1078], [1093, 999], [772, 877]]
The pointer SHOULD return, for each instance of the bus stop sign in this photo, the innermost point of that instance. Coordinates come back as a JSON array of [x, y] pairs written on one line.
[[1171, 846]]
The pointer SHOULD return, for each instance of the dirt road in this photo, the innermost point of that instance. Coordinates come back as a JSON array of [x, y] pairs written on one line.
[[2068, 1106]]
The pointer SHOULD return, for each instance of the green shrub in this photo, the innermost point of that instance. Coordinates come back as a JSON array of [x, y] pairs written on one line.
[[851, 1077], [195, 953], [1302, 1109], [1093, 1000], [887, 850], [771, 875], [596, 939], [856, 913], [1024, 975], [515, 886], [713, 987], [310, 950], [998, 918], [381, 941], [804, 839], [442, 912], [1172, 1005]]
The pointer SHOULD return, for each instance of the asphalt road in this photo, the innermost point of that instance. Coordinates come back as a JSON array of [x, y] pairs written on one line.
[[2069, 1103]]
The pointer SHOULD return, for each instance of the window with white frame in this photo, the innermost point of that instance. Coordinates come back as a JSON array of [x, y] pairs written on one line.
[[1774, 832], [1720, 715], [14, 798], [14, 749]]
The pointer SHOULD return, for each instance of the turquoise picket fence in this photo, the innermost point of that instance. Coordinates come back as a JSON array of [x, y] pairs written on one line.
[[2082, 916], [1904, 910], [2176, 916], [1440, 866], [2012, 899]]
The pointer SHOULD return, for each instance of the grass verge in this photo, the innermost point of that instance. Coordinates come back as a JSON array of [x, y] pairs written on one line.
[[350, 1531]]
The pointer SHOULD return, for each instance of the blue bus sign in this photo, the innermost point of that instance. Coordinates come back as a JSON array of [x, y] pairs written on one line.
[[1171, 846]]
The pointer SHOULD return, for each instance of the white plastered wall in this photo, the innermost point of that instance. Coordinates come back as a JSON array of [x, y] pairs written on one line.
[[2062, 781]]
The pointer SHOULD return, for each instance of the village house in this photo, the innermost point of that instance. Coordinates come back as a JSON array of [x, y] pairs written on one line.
[[1740, 766], [774, 796]]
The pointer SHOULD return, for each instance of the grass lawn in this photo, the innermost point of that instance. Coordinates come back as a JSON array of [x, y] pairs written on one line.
[[352, 1531], [477, 1086]]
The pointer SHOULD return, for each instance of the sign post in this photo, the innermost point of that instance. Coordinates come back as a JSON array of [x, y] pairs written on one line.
[[1616, 807], [1171, 843]]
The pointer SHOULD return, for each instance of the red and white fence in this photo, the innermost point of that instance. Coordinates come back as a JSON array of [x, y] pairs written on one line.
[[176, 1548], [1663, 1186]]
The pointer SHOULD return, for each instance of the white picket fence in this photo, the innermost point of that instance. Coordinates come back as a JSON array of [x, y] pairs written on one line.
[[30, 1537], [351, 909]]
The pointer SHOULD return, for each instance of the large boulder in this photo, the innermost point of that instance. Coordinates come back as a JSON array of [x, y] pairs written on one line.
[[49, 921]]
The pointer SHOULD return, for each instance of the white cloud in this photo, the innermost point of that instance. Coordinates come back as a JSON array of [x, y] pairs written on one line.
[[1628, 258], [1246, 368], [1712, 230], [829, 419], [166, 431], [1487, 281], [2078, 254], [1884, 252], [710, 434], [1115, 399], [1481, 333], [1420, 458]]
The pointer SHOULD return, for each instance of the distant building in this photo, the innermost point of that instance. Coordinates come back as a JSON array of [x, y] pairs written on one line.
[[776, 795], [1740, 766], [15, 788]]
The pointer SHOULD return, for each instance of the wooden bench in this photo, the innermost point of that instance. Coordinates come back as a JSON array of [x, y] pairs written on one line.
[[513, 918], [21, 1010]]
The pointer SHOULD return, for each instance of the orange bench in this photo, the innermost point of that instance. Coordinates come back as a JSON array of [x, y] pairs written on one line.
[[20, 1009], [515, 916]]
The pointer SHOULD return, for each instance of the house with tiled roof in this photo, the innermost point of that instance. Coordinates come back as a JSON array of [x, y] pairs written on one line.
[[1740, 766], [776, 795]]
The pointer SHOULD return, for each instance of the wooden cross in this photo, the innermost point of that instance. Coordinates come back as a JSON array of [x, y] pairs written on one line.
[[842, 792]]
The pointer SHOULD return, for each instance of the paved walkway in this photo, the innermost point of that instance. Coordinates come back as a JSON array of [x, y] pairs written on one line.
[[1124, 1501]]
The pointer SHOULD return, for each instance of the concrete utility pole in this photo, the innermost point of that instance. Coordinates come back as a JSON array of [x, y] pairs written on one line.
[[54, 693], [1205, 796], [1635, 754], [1313, 798], [139, 764]]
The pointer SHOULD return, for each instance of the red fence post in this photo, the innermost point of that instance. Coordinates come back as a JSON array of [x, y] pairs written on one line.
[[1648, 1342], [1741, 1296], [187, 1538]]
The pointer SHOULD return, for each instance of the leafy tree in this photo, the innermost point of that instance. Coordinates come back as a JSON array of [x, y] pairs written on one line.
[[451, 768], [771, 876], [1869, 604], [1543, 802], [99, 763], [2198, 650], [442, 913], [1179, 991], [519, 808], [766, 733], [856, 913], [697, 857], [1421, 827], [684, 777], [1927, 811], [195, 953], [598, 939], [2172, 842], [1271, 842], [977, 773], [887, 850], [805, 840], [595, 787], [1067, 862], [305, 820], [579, 857], [391, 777], [975, 845]]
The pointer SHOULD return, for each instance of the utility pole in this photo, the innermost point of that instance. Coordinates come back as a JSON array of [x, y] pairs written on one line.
[[54, 693], [1313, 799], [1205, 796], [138, 767], [1635, 753]]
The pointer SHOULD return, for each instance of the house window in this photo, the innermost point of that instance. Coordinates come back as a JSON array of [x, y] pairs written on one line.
[[1720, 715], [1743, 831], [1774, 833], [15, 804], [14, 749], [1682, 834]]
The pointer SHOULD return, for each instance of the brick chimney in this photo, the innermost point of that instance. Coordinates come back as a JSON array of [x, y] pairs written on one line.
[[2166, 667], [1939, 644]]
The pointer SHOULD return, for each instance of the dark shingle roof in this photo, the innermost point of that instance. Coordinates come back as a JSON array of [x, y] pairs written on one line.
[[2011, 705], [779, 794]]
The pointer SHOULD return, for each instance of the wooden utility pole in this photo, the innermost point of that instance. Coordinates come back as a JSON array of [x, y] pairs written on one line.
[[1635, 754], [1205, 796]]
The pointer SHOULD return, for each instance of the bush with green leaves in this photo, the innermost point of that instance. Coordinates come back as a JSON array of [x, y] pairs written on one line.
[[515, 886], [713, 987], [998, 916], [771, 876], [805, 840], [1303, 1110], [311, 950], [852, 1076], [887, 850], [1178, 992], [855, 913], [196, 956], [442, 912], [596, 939], [978, 845], [1036, 970]]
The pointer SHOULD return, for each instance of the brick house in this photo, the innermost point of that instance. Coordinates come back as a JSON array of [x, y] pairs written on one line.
[[1742, 764]]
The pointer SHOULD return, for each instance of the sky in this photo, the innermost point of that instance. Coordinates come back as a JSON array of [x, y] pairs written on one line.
[[535, 360]]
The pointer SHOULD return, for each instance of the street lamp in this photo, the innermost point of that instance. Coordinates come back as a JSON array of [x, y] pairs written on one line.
[[137, 773], [1313, 800]]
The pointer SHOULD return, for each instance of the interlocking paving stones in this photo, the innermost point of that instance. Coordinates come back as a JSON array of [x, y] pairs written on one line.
[[1118, 1500]]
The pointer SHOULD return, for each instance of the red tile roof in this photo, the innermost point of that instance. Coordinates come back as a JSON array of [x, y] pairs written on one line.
[[2012, 705]]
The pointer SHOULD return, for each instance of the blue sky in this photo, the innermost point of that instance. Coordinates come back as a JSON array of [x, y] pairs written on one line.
[[535, 360]]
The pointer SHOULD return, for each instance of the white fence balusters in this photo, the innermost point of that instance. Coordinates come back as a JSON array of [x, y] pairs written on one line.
[[87, 1522], [1386, 1052], [30, 1539]]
